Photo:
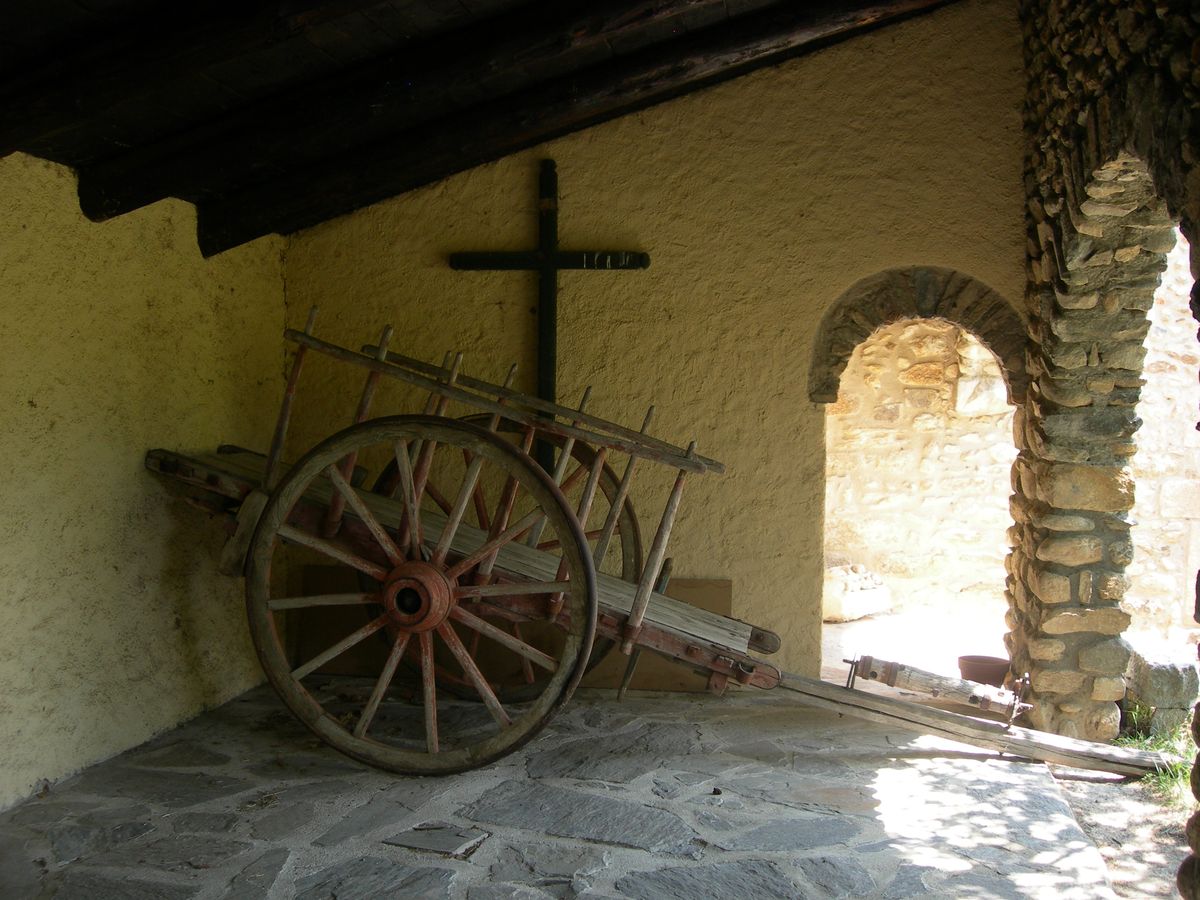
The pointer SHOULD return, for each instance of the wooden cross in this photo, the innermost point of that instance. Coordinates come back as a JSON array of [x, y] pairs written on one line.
[[547, 260]]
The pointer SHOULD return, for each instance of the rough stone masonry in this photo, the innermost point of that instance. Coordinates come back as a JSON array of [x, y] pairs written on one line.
[[1113, 146]]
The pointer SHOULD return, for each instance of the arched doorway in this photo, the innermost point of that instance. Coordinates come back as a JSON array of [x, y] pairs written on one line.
[[918, 455], [919, 367]]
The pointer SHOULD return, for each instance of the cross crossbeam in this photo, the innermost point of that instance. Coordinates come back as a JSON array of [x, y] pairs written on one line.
[[547, 260]]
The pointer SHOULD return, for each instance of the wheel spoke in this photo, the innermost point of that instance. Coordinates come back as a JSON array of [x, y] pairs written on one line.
[[508, 496], [340, 647], [408, 497], [421, 469], [554, 544], [381, 686], [589, 491], [333, 551], [526, 665], [470, 479], [321, 600], [496, 612], [434, 494], [511, 589], [513, 643], [429, 687], [490, 547], [481, 513], [446, 630], [574, 478], [390, 550]]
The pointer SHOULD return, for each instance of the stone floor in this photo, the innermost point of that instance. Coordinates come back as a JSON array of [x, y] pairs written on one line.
[[662, 796]]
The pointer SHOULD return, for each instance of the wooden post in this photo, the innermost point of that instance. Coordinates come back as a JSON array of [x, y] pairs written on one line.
[[658, 549], [271, 473], [337, 506], [560, 468], [614, 510], [664, 579], [437, 407], [899, 675]]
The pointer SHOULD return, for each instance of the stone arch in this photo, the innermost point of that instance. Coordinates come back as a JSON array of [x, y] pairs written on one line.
[[1112, 140], [917, 292], [1102, 250], [1107, 84]]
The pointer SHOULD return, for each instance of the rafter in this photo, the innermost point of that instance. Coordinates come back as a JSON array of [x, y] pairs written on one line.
[[122, 66], [303, 197], [370, 101], [275, 115]]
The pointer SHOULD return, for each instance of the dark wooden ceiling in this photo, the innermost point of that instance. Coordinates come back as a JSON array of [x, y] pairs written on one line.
[[274, 116]]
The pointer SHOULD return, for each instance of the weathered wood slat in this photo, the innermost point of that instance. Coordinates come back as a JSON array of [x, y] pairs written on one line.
[[960, 690], [1023, 742], [612, 594], [637, 445], [527, 401]]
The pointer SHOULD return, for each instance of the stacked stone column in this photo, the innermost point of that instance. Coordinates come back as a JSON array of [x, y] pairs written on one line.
[[1101, 254], [1104, 77]]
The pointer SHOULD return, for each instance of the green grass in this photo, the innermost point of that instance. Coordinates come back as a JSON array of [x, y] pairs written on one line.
[[1171, 785]]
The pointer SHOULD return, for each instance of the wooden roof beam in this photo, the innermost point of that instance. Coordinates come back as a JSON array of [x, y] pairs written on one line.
[[74, 90], [304, 197], [370, 101]]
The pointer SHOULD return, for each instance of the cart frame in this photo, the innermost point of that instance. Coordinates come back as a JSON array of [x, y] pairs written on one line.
[[429, 569]]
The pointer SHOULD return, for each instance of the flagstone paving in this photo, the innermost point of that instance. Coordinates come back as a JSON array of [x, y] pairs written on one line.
[[662, 796]]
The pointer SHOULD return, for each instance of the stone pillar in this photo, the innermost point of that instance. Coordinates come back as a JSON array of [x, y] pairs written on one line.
[[1187, 878], [1104, 78], [1101, 252]]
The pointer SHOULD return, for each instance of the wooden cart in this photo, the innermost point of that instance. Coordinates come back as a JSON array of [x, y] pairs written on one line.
[[487, 584]]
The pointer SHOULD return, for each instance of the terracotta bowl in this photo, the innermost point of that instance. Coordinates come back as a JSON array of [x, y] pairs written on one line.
[[984, 669]]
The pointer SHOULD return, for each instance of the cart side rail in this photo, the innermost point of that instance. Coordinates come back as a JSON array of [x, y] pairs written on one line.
[[601, 431], [510, 404]]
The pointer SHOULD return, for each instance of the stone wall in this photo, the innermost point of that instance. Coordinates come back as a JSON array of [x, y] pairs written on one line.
[[918, 453], [1108, 129], [921, 432], [1166, 468], [1113, 144]]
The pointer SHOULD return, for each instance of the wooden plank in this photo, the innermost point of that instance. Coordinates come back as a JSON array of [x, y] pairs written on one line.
[[1022, 742], [612, 594], [664, 673], [289, 199]]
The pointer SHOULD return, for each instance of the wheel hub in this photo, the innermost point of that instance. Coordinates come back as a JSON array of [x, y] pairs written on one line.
[[417, 596]]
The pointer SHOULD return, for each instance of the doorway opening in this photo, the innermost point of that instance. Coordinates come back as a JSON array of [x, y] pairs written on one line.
[[919, 451]]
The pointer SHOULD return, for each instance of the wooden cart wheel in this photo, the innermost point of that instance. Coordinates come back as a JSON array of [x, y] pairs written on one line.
[[440, 585], [624, 558]]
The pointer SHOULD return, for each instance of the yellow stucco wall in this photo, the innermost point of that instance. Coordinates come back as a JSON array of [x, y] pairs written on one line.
[[115, 338], [760, 201]]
